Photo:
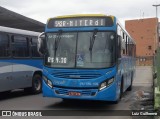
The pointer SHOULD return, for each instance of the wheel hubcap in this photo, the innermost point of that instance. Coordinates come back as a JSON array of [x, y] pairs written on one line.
[[37, 84]]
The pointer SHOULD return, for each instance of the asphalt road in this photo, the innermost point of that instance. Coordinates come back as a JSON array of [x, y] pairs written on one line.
[[18, 100]]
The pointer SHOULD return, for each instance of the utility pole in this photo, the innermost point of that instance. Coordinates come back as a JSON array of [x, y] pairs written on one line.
[[156, 9]]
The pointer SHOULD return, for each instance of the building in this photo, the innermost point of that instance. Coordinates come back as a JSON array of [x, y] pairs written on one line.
[[145, 34]]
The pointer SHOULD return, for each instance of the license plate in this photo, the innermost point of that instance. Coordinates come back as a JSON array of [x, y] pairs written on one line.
[[74, 93]]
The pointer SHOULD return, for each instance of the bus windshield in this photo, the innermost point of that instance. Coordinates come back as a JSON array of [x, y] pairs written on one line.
[[94, 49]]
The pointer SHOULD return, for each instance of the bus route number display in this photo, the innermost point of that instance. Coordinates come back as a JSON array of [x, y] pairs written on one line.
[[76, 22], [59, 60]]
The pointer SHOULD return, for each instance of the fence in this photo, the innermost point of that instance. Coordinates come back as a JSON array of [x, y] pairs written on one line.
[[144, 61]]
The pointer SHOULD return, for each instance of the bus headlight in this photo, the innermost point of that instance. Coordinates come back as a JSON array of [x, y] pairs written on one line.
[[105, 84], [48, 82], [110, 81]]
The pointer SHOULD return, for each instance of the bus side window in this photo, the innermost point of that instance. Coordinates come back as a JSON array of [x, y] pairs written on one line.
[[126, 45], [130, 45], [4, 45], [20, 46], [123, 48], [34, 47]]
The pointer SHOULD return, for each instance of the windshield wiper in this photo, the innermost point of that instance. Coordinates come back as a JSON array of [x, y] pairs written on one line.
[[92, 39], [57, 41]]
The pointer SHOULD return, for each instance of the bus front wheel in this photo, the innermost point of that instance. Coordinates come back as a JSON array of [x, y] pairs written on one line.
[[130, 87], [36, 85], [120, 94]]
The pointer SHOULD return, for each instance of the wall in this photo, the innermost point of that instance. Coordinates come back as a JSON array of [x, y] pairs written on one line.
[[145, 34]]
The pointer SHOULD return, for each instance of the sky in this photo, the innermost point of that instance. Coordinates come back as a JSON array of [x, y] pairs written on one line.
[[41, 10]]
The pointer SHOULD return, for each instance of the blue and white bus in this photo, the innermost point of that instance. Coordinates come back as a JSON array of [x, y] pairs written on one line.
[[20, 62], [87, 57]]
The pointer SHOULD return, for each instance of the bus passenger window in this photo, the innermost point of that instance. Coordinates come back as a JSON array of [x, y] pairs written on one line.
[[123, 35], [20, 46], [34, 48], [126, 45], [123, 47], [4, 45]]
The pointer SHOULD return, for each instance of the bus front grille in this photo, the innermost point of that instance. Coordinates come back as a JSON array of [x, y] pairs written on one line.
[[76, 75]]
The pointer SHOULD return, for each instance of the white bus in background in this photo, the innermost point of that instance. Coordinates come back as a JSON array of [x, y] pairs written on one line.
[[20, 62]]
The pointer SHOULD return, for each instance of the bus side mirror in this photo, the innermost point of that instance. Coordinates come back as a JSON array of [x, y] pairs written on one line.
[[41, 43]]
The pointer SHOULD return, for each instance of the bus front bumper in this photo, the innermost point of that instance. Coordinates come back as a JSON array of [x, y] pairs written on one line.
[[107, 94]]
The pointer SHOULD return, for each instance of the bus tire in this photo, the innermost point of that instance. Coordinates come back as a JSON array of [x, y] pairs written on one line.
[[121, 93], [121, 89], [130, 87], [37, 84]]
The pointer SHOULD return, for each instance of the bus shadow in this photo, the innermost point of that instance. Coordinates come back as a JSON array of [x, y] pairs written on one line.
[[13, 94], [81, 105], [82, 108]]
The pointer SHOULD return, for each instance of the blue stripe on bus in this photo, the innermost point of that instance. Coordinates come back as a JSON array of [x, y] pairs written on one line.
[[38, 63]]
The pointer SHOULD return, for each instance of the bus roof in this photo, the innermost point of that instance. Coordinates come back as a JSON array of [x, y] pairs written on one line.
[[83, 15], [18, 31]]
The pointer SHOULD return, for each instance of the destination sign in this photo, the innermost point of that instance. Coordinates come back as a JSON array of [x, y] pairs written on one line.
[[80, 22]]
